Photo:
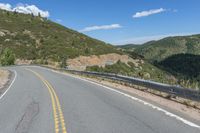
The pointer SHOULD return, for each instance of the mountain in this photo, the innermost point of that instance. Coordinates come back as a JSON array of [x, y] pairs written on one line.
[[161, 49], [179, 56], [31, 38], [129, 47], [37, 39]]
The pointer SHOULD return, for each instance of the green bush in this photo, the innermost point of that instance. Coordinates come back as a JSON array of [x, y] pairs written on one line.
[[7, 57], [63, 63]]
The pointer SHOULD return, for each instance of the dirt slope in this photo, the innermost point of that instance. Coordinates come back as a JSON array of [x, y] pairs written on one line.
[[81, 62]]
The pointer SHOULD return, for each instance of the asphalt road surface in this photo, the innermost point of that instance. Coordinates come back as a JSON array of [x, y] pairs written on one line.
[[42, 101]]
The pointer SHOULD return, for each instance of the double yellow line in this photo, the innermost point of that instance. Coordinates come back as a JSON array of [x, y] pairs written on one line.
[[59, 121]]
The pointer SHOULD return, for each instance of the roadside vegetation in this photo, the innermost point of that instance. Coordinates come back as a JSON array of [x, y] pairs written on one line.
[[143, 71], [148, 71], [7, 57]]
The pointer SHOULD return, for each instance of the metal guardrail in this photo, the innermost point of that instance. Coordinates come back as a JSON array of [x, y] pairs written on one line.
[[169, 89]]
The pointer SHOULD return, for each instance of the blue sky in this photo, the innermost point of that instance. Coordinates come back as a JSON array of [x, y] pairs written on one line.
[[122, 21]]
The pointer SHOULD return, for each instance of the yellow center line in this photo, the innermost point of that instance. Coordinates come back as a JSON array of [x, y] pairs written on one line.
[[57, 111]]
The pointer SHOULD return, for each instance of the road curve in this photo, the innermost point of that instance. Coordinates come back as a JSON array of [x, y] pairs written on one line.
[[42, 101]]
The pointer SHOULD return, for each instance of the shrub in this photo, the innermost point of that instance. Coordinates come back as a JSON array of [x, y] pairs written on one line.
[[63, 63], [7, 57]]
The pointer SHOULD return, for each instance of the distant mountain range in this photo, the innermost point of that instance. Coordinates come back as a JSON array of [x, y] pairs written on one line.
[[164, 48], [129, 47]]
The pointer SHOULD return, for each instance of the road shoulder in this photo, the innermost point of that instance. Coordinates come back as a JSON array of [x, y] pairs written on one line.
[[173, 106], [6, 78]]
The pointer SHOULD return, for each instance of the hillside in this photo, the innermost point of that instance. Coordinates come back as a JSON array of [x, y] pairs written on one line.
[[140, 69], [179, 56], [186, 65], [32, 38], [161, 49]]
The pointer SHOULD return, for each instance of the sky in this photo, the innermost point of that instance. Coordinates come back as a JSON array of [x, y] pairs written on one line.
[[117, 21]]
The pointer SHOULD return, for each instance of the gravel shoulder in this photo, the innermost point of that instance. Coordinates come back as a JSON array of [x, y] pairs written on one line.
[[5, 77]]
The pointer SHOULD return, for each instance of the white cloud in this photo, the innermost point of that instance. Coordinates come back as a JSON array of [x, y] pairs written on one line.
[[7, 7], [26, 9], [148, 13], [102, 27]]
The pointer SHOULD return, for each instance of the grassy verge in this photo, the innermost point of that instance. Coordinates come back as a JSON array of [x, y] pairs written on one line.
[[143, 70]]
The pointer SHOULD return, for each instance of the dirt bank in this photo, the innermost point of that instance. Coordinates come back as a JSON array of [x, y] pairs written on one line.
[[81, 62], [4, 77]]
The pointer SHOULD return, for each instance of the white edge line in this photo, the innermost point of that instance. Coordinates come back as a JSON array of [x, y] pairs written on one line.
[[133, 98], [9, 85]]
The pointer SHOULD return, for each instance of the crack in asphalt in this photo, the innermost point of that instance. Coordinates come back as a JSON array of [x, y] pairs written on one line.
[[25, 122]]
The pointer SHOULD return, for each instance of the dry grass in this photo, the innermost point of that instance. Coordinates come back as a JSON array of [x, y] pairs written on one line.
[[3, 73], [4, 77]]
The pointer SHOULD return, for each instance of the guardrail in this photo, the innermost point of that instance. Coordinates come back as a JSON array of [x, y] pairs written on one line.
[[169, 89]]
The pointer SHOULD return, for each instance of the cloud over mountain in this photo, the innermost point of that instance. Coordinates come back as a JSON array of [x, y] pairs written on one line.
[[25, 8]]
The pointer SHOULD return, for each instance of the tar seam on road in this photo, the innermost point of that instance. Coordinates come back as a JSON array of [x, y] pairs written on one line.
[[187, 122], [9, 85], [57, 111]]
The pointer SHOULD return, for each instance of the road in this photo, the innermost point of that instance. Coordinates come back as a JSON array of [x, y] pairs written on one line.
[[42, 101]]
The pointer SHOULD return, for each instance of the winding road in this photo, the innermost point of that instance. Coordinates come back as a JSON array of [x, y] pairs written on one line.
[[42, 101]]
